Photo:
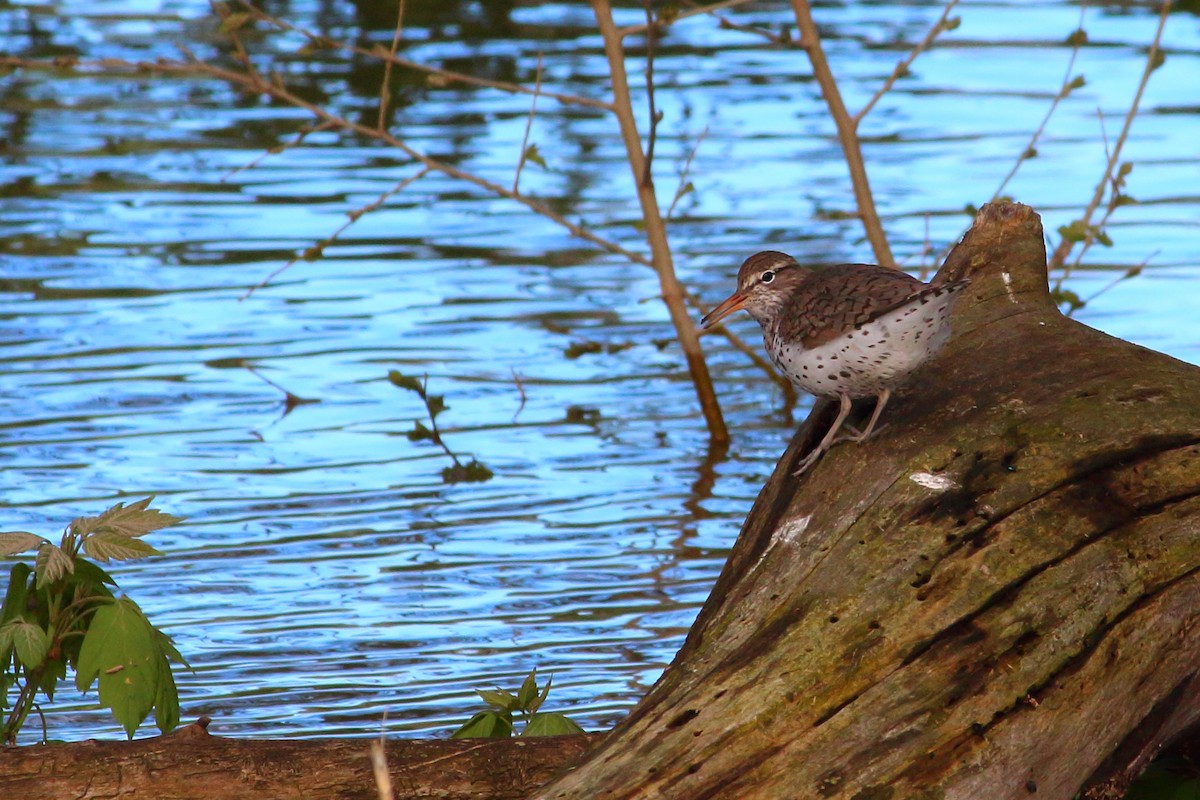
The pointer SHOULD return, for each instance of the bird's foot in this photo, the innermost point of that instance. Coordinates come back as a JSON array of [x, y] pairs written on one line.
[[858, 436], [808, 461]]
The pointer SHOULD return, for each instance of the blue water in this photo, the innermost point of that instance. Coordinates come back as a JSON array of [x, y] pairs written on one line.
[[325, 573]]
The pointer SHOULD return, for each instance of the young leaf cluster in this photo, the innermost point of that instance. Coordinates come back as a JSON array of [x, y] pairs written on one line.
[[458, 472], [61, 613], [497, 721]]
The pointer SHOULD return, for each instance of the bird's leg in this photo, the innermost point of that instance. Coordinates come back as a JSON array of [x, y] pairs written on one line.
[[827, 441], [880, 402]]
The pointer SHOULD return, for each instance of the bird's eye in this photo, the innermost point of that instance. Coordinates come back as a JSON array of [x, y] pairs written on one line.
[[767, 276]]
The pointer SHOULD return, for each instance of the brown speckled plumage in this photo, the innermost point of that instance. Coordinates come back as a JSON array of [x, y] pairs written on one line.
[[846, 331]]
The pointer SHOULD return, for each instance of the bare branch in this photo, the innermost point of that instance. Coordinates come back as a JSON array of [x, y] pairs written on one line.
[[301, 135], [684, 184], [1152, 63], [944, 23], [810, 40], [384, 89], [528, 126]]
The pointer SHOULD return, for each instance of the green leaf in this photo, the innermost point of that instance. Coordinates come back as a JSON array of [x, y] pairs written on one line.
[[1077, 231], [542, 697], [15, 597], [52, 564], [1124, 200], [88, 574], [137, 519], [1103, 238], [436, 404], [31, 642], [108, 545], [406, 382], [532, 154], [120, 649], [551, 723], [528, 691], [166, 703], [485, 725], [471, 472], [683, 191], [419, 433], [1125, 168], [1068, 298], [232, 22], [498, 698], [1078, 82], [13, 542], [1159, 59], [1030, 152], [1077, 38], [952, 23]]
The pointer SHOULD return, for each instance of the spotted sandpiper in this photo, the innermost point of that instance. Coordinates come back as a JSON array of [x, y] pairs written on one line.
[[848, 331]]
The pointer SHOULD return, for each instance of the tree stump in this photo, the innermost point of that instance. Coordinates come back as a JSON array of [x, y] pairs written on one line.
[[997, 595]]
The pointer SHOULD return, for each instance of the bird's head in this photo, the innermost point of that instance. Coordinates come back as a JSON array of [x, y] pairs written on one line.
[[764, 281]]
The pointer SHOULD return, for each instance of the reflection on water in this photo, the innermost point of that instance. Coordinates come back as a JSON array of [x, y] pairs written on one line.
[[326, 574]]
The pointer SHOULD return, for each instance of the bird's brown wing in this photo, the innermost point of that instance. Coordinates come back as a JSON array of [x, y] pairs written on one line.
[[834, 300]]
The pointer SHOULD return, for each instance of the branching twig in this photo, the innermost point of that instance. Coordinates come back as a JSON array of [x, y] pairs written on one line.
[[1153, 62], [537, 86], [944, 23], [685, 186], [810, 40], [301, 135], [385, 88], [634, 30], [1069, 84]]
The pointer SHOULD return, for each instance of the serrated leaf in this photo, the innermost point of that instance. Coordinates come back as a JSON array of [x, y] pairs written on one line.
[[406, 382], [15, 596], [551, 723], [528, 691], [498, 698], [484, 725], [136, 519], [52, 564], [119, 648], [113, 546], [166, 702], [533, 154], [31, 642], [233, 22], [87, 573], [542, 697], [13, 542]]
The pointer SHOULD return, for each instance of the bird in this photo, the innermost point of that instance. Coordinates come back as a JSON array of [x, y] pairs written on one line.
[[844, 332]]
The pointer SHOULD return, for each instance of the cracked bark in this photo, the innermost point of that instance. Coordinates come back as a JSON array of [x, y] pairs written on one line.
[[997, 595]]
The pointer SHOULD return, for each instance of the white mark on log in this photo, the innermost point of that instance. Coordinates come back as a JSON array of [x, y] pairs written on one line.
[[939, 483], [787, 534], [791, 530], [1004, 276]]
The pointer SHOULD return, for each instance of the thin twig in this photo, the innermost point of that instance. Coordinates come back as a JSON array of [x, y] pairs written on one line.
[[354, 216], [520, 392], [385, 87], [1152, 63], [299, 138], [810, 40], [652, 137], [1068, 85], [537, 85], [902, 67], [684, 183]]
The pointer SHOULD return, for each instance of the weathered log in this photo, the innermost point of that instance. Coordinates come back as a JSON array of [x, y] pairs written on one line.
[[998, 595], [192, 765]]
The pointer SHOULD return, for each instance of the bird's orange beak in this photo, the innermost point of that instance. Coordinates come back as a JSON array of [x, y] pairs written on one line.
[[732, 303]]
